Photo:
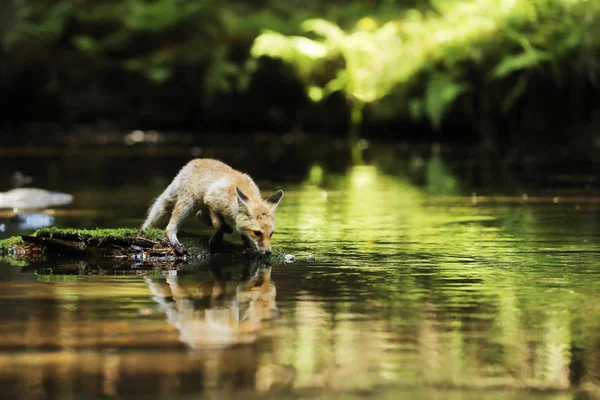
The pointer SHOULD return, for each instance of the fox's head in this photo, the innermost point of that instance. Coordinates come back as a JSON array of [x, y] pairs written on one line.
[[256, 220]]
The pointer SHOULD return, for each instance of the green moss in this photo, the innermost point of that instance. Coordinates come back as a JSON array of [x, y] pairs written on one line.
[[104, 233], [8, 243], [12, 261]]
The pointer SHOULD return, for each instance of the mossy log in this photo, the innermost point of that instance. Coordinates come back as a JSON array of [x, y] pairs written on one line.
[[128, 246]]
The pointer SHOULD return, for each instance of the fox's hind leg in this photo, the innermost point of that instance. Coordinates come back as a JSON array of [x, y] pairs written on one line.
[[183, 207]]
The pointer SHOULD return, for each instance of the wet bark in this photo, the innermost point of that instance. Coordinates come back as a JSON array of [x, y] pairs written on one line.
[[138, 250]]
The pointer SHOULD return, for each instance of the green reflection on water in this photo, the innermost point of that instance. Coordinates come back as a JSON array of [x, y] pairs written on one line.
[[429, 297], [503, 285]]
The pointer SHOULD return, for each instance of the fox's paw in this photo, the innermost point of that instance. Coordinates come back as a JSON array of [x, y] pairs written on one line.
[[178, 248], [165, 241]]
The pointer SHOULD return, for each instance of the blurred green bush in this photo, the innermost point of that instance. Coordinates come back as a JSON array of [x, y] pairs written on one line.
[[483, 66]]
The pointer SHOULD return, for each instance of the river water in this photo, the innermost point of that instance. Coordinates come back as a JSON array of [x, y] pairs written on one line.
[[399, 289]]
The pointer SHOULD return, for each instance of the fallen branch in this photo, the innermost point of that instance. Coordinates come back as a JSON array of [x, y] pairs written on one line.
[[134, 245]]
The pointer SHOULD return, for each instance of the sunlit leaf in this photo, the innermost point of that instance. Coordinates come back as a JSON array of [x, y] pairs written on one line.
[[269, 44], [339, 83], [325, 28], [274, 44], [518, 62], [309, 47], [366, 24], [388, 31], [315, 93]]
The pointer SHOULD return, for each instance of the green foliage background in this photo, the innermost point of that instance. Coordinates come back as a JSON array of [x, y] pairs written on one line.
[[480, 66]]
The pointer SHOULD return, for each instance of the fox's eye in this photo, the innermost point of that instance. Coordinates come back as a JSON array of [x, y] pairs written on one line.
[[257, 233]]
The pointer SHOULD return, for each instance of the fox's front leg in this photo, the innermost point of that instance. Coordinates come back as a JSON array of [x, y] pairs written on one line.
[[204, 215], [213, 219], [222, 228]]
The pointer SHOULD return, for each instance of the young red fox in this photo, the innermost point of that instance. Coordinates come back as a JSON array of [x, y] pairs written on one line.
[[223, 198]]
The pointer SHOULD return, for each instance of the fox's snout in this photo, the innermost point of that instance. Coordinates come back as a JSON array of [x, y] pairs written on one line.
[[264, 250], [261, 247], [265, 246]]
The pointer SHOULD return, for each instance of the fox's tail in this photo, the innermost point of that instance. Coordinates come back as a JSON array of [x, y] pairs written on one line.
[[161, 209]]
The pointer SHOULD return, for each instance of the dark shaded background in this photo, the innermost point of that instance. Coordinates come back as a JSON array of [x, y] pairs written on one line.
[[177, 65]]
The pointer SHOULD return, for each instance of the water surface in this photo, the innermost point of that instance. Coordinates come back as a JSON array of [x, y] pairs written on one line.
[[396, 293]]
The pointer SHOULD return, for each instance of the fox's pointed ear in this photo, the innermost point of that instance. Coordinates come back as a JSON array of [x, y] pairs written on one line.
[[242, 201], [275, 198]]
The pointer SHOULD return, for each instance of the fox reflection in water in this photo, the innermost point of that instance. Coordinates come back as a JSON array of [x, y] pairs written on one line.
[[206, 315]]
